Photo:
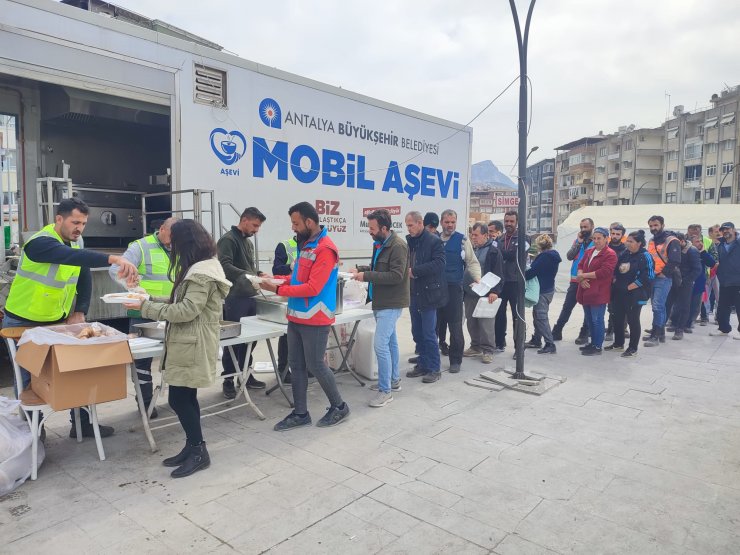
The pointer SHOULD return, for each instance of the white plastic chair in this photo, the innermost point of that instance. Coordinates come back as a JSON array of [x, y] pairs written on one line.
[[33, 404]]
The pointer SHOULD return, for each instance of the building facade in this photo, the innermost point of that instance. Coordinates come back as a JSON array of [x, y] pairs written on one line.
[[629, 167], [540, 185], [574, 179], [701, 153]]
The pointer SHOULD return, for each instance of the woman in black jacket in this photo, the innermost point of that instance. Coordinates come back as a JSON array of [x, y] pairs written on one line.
[[633, 278]]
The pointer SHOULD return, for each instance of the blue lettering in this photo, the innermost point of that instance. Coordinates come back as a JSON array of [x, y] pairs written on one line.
[[332, 168], [263, 156], [444, 183], [412, 181], [393, 178], [305, 176], [363, 183], [427, 181], [225, 171]]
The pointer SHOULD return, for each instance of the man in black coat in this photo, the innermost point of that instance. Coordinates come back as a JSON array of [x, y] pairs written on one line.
[[678, 304], [428, 293]]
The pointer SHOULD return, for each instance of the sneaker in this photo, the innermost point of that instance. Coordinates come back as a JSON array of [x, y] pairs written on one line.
[[499, 350], [609, 337], [671, 328], [703, 321], [629, 353], [688, 330], [228, 389], [334, 416], [582, 340], [591, 351], [548, 349], [415, 372], [454, 369], [292, 421], [585, 347], [87, 430], [649, 334], [719, 333], [254, 383], [381, 400], [614, 347], [444, 348], [651, 341], [414, 359], [395, 386], [471, 352], [431, 377], [557, 333], [735, 335], [487, 358], [532, 344]]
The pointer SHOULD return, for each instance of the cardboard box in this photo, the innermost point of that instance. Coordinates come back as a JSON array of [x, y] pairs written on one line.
[[68, 376]]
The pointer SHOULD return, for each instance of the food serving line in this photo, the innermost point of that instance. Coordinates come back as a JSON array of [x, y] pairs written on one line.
[[252, 330]]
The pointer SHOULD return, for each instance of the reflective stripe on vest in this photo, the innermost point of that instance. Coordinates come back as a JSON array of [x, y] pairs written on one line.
[[154, 266], [43, 292], [660, 256], [291, 247]]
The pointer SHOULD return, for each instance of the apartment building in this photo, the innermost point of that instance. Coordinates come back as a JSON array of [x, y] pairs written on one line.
[[540, 184], [701, 152], [629, 167], [574, 175]]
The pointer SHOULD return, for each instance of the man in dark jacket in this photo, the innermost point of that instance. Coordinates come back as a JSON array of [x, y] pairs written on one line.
[[481, 330], [578, 248], [728, 274], [236, 254], [678, 304], [616, 243], [508, 246], [282, 265], [388, 276], [428, 293]]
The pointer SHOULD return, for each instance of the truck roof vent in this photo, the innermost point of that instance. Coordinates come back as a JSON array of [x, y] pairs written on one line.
[[210, 86]]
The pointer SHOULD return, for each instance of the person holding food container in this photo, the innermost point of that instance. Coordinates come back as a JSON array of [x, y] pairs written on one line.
[[192, 313], [236, 254], [151, 256], [53, 275]]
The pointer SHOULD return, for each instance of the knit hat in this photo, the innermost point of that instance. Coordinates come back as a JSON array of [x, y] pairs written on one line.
[[430, 218], [602, 230]]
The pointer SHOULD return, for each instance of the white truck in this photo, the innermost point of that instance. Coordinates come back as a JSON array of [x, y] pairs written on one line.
[[142, 119]]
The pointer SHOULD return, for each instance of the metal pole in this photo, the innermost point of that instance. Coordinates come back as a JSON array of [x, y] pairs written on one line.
[[519, 322]]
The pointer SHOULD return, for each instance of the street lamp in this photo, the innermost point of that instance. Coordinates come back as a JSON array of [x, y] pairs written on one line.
[[634, 198], [519, 323], [719, 189]]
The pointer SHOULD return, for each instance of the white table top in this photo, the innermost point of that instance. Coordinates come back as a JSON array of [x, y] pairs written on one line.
[[346, 317], [252, 330]]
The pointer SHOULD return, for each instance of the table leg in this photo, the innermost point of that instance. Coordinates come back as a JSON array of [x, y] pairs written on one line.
[[244, 374], [345, 352], [278, 377], [142, 409]]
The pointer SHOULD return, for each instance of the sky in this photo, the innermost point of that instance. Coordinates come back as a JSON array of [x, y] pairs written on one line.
[[594, 64]]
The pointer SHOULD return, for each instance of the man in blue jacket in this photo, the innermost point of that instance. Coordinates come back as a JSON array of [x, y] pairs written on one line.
[[728, 274], [428, 293]]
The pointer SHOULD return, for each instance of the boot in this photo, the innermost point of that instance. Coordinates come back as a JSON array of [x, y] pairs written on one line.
[[178, 459], [197, 459], [661, 334], [557, 333], [678, 334], [648, 334], [652, 340], [582, 338]]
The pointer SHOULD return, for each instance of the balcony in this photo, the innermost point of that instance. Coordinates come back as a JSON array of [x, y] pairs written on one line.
[[646, 171], [649, 152], [691, 184]]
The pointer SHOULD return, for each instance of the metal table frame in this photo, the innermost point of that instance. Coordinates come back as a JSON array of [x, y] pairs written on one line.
[[251, 333]]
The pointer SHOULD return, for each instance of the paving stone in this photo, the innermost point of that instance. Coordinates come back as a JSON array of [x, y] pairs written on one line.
[[362, 484], [514, 545], [438, 450], [429, 540]]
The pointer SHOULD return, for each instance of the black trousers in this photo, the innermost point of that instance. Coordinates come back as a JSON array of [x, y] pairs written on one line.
[[508, 296], [729, 296], [452, 314], [678, 303], [441, 326], [184, 401], [626, 309], [282, 353], [236, 308], [569, 304]]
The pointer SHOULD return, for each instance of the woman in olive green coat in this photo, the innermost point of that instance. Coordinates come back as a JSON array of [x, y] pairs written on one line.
[[192, 335]]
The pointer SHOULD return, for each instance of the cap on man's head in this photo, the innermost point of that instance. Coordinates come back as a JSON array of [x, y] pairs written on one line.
[[430, 218], [726, 225]]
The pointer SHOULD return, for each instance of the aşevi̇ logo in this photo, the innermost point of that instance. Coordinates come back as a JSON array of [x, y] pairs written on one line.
[[229, 146], [270, 113]]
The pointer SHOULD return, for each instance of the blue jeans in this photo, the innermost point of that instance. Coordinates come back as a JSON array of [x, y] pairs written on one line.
[[386, 347], [12, 322], [424, 331], [595, 317], [661, 288]]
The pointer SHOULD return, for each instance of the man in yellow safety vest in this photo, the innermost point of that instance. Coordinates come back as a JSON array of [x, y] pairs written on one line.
[[53, 274], [151, 256]]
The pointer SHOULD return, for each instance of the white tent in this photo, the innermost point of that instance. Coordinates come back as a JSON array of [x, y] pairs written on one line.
[[633, 217]]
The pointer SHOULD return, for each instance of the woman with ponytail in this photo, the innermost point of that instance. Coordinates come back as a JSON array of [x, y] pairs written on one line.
[[633, 278]]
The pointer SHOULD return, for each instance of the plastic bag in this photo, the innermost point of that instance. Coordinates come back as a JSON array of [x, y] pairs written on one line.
[[355, 294], [65, 335], [484, 309], [15, 447], [532, 292], [366, 363]]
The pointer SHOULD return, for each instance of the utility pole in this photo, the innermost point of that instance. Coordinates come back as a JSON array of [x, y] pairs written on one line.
[[519, 322]]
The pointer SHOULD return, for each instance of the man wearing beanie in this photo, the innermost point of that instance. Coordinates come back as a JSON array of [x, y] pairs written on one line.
[[431, 223]]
